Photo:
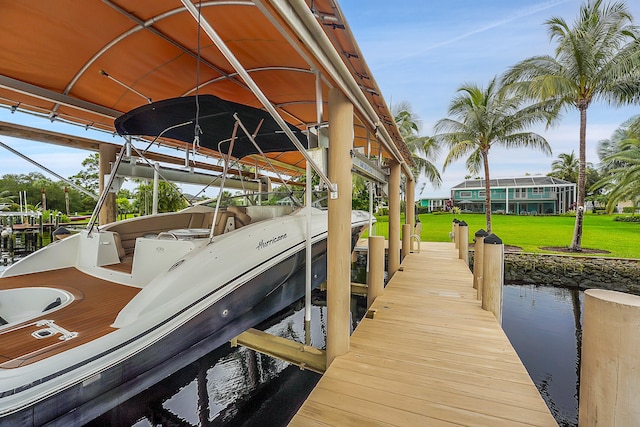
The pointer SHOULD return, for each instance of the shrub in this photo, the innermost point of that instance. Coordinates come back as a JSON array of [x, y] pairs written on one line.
[[627, 219]]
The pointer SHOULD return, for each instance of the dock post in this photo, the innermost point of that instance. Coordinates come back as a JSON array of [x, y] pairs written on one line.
[[454, 231], [107, 155], [493, 270], [478, 261], [406, 241], [339, 232], [394, 217], [375, 275], [410, 203], [463, 246], [609, 374]]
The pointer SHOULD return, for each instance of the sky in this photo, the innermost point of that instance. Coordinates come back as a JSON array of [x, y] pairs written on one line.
[[419, 52]]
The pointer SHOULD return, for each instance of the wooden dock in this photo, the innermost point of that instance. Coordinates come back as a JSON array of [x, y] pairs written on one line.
[[430, 356]]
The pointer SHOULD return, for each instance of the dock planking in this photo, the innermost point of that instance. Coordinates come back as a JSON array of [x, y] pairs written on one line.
[[430, 356]]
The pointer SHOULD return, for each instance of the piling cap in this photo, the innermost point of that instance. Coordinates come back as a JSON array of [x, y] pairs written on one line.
[[463, 224], [456, 220], [481, 233], [492, 239]]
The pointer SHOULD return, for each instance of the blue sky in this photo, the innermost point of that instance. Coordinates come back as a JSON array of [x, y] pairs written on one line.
[[421, 52]]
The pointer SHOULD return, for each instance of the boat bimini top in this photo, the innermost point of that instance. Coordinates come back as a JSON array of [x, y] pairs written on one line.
[[212, 123]]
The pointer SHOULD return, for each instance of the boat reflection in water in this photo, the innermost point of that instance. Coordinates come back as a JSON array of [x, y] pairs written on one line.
[[233, 386], [544, 325]]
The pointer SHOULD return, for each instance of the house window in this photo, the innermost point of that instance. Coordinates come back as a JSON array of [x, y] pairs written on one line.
[[482, 193], [519, 193], [465, 194], [537, 190]]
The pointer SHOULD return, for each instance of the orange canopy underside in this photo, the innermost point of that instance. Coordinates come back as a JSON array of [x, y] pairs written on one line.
[[54, 56]]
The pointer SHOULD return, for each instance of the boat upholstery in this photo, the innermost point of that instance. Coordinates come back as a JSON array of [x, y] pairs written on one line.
[[241, 217]]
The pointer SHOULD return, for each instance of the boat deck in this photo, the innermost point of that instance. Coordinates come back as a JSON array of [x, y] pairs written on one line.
[[429, 356], [96, 305]]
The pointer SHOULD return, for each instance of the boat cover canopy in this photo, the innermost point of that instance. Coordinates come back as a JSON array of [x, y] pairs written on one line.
[[88, 62], [176, 118]]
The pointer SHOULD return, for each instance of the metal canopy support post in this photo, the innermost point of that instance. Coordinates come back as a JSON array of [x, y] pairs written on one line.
[[242, 72], [156, 183], [308, 200], [394, 219]]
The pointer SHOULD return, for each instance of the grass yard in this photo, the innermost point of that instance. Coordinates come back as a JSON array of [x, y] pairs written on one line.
[[620, 239]]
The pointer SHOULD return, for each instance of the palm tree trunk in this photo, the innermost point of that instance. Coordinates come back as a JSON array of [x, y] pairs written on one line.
[[576, 244], [487, 191]]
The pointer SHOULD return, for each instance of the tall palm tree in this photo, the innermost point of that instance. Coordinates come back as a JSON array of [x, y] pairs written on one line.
[[424, 150], [596, 59], [565, 167], [486, 117]]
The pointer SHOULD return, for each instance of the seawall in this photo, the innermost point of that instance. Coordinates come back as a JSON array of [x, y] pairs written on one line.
[[572, 271]]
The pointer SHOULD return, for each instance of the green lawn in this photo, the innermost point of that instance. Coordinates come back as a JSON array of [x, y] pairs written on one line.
[[621, 239]]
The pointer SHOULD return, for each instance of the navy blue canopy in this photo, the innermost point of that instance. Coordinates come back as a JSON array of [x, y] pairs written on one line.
[[175, 118]]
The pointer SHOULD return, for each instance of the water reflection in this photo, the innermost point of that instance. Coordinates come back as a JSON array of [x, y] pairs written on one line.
[[233, 386], [544, 325]]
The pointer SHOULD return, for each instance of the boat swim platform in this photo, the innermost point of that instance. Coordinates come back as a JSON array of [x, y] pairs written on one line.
[[430, 356]]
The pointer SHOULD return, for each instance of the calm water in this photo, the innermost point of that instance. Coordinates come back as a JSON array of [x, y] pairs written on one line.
[[233, 386], [543, 324]]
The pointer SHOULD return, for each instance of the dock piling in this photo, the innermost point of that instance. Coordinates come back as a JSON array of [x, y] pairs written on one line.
[[609, 374], [478, 261], [406, 241], [463, 238], [375, 275], [493, 272]]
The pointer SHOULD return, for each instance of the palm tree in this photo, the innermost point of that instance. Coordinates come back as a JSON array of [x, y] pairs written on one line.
[[487, 117], [623, 181], [424, 150], [608, 147], [597, 59], [565, 167], [620, 160]]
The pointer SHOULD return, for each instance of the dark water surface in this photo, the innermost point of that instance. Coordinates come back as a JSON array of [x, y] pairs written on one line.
[[543, 324], [233, 386]]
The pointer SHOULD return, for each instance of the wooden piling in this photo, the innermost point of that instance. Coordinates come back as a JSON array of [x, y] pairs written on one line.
[[406, 240], [610, 374], [493, 271], [463, 246], [454, 231], [478, 261], [339, 234], [108, 154], [375, 275]]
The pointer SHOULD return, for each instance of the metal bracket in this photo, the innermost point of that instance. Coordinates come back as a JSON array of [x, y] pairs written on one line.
[[333, 191]]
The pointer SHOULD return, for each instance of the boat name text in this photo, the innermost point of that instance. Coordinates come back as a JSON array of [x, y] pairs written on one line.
[[264, 243]]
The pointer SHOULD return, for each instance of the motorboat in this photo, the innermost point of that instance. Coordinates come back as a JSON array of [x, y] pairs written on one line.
[[106, 311]]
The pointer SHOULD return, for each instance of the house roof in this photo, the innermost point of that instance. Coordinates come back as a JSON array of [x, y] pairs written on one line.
[[525, 181]]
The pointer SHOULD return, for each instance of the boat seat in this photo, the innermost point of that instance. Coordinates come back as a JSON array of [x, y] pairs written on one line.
[[224, 222], [118, 242], [241, 217]]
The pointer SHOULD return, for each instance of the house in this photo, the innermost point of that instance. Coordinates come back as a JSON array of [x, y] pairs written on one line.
[[526, 195], [434, 204]]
